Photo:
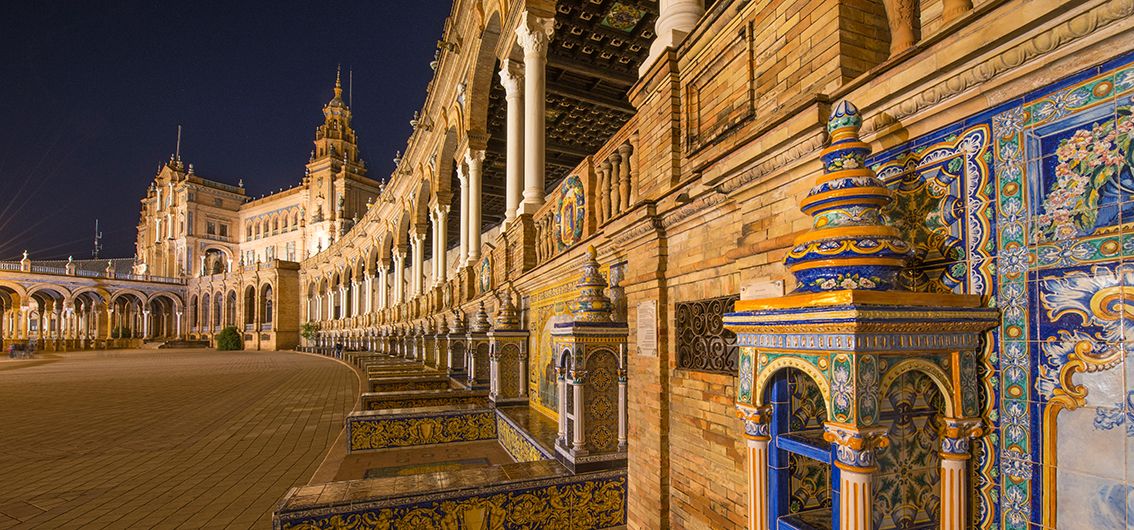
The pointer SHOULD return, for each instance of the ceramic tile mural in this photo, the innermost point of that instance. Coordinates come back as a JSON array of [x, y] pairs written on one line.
[[1031, 204]]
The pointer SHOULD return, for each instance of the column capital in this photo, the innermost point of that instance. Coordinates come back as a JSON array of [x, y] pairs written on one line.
[[757, 421], [512, 78], [474, 157], [534, 34], [856, 445], [957, 435]]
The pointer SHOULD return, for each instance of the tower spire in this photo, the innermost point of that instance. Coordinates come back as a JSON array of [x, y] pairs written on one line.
[[339, 82]]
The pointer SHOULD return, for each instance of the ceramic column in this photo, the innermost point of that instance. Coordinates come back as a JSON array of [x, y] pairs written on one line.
[[512, 79], [561, 384], [622, 409], [579, 441], [534, 34], [956, 436], [856, 463], [757, 433]]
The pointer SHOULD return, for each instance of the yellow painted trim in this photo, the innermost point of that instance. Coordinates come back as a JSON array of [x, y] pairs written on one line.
[[849, 296], [847, 232], [846, 262]]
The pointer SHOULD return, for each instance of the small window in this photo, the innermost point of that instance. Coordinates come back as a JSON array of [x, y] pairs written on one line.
[[218, 203], [210, 228], [224, 230]]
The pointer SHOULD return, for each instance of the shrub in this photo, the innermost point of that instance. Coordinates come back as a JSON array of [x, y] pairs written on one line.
[[308, 330], [120, 332], [229, 339]]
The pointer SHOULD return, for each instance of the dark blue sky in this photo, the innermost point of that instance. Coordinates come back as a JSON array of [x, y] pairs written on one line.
[[92, 94]]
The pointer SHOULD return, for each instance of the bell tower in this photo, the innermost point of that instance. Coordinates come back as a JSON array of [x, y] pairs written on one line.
[[334, 163]]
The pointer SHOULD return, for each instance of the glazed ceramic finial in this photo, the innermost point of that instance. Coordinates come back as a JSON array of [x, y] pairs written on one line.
[[507, 319], [480, 320], [849, 245], [591, 305]]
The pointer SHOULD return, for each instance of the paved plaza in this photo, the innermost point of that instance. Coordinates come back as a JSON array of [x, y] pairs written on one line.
[[164, 438]]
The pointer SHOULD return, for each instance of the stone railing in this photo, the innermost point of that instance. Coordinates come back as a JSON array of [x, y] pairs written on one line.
[[608, 183]]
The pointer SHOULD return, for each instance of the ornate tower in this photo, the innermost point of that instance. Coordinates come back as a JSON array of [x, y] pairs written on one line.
[[334, 166]]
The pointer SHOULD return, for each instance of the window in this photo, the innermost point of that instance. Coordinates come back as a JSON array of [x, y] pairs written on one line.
[[189, 225], [270, 253], [249, 233], [218, 203], [224, 230], [210, 228], [702, 342], [291, 251]]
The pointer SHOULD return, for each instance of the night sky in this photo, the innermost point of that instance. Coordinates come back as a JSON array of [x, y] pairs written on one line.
[[92, 94]]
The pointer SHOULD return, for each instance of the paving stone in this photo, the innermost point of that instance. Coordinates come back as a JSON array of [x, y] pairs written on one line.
[[162, 439]]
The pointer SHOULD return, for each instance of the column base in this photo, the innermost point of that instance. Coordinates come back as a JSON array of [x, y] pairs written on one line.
[[529, 208]]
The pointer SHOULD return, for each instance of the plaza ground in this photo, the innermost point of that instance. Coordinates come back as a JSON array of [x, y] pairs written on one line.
[[164, 438]]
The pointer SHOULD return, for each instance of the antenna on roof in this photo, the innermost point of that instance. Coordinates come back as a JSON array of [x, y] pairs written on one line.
[[350, 87], [97, 240], [177, 154]]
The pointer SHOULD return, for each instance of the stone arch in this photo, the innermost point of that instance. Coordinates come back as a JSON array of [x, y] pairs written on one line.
[[18, 290], [401, 230], [249, 305], [267, 304], [177, 300], [481, 78]]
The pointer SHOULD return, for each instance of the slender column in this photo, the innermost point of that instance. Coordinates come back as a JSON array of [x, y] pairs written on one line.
[[533, 34], [399, 274], [434, 264], [417, 246], [463, 253], [493, 373], [442, 254], [956, 435], [475, 159], [512, 78], [622, 409], [561, 384], [383, 290], [757, 432], [580, 439], [146, 324], [676, 19], [856, 463], [524, 376]]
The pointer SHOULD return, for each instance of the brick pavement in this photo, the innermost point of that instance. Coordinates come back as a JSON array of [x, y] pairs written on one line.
[[164, 439]]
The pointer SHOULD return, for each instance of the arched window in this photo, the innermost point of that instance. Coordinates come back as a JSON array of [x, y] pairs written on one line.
[[266, 306]]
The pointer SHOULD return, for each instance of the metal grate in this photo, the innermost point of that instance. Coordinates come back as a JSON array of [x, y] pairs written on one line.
[[702, 342]]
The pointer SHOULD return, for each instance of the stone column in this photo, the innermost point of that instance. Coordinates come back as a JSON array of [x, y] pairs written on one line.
[[383, 286], [676, 19], [417, 247], [145, 324], [463, 254], [603, 192], [442, 254], [512, 79], [956, 434], [399, 274], [475, 159], [953, 9], [534, 34]]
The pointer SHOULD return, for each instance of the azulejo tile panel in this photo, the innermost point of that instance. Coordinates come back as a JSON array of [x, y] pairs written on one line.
[[518, 446], [369, 432], [578, 501], [1032, 205]]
